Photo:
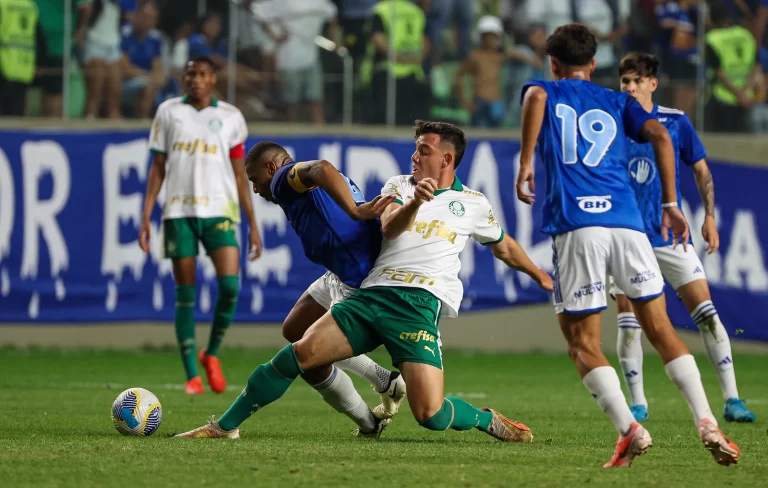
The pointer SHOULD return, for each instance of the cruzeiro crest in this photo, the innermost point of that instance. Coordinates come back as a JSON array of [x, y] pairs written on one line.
[[456, 208]]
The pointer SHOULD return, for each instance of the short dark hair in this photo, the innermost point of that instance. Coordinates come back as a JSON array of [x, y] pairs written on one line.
[[572, 45], [719, 13], [258, 151], [202, 59], [644, 64], [448, 133]]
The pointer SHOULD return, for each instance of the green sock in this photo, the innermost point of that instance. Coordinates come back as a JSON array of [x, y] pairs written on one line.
[[223, 312], [266, 384], [185, 328], [457, 414]]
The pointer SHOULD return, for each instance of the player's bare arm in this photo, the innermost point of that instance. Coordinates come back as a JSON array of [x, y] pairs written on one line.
[[509, 252], [397, 218], [534, 106], [325, 176], [672, 217], [154, 183], [706, 186], [244, 195]]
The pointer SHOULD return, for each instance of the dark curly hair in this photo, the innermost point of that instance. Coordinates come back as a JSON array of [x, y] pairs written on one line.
[[572, 45], [448, 133]]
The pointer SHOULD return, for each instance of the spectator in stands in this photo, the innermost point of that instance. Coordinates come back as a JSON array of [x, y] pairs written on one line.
[[19, 31], [102, 60], [142, 62], [294, 25], [405, 23], [732, 54], [528, 62], [440, 13], [50, 48], [352, 17], [677, 23], [607, 20], [257, 50]]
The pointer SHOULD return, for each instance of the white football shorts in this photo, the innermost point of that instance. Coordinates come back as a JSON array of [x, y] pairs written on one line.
[[328, 290], [582, 259], [677, 266]]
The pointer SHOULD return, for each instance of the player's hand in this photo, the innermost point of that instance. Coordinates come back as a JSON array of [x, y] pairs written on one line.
[[254, 244], [710, 234], [144, 232], [374, 208], [425, 190], [526, 176], [544, 280], [672, 218]]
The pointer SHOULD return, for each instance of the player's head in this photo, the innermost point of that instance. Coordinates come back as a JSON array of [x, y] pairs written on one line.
[[440, 147], [719, 14], [199, 77], [637, 75], [261, 164], [572, 48]]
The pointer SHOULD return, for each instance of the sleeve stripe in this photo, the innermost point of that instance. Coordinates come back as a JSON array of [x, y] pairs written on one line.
[[157, 151], [490, 243], [295, 181], [398, 201]]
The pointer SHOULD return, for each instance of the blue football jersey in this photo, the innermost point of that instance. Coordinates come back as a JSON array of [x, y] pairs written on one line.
[[582, 144], [329, 236], [644, 175]]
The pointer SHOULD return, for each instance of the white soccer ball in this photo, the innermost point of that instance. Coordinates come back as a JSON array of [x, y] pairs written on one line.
[[137, 411]]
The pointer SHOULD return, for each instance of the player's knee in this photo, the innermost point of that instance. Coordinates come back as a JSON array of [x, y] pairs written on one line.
[[229, 287], [304, 354], [434, 419]]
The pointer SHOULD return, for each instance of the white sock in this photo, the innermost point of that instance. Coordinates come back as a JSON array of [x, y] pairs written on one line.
[[339, 392], [630, 350], [684, 372], [604, 384], [718, 346], [365, 367]]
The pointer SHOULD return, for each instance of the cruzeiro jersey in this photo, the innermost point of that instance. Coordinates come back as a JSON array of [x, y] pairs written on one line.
[[645, 177], [329, 236], [199, 180], [426, 255], [583, 148]]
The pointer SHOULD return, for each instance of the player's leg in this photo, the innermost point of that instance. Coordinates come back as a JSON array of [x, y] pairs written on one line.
[[181, 246], [333, 384], [630, 351], [408, 326], [218, 236], [685, 273], [637, 273], [580, 260]]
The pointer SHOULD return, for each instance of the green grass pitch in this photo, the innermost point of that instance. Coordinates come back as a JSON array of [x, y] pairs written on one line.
[[55, 428]]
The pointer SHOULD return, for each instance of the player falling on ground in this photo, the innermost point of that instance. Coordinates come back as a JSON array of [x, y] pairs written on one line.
[[682, 269], [413, 282], [592, 215], [344, 238], [198, 148]]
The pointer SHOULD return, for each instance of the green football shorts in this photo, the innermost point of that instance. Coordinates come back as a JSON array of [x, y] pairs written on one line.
[[403, 319], [182, 235]]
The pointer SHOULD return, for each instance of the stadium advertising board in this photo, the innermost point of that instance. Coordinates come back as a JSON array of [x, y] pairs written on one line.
[[70, 207]]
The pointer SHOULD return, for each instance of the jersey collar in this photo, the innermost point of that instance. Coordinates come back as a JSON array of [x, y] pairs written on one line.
[[456, 186], [655, 110], [214, 101]]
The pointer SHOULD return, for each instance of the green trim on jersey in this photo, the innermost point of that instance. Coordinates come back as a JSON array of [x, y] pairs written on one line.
[[398, 201], [490, 243], [456, 186], [158, 151], [214, 101]]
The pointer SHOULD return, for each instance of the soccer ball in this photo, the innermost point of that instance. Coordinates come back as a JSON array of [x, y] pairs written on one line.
[[137, 411]]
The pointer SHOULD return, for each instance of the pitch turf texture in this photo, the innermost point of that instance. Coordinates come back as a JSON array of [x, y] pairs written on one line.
[[55, 428]]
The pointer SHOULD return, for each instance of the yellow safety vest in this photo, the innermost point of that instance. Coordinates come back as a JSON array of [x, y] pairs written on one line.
[[18, 22], [736, 48], [404, 24]]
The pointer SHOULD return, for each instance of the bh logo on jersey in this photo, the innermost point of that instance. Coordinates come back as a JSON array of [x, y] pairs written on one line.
[[595, 204], [642, 170]]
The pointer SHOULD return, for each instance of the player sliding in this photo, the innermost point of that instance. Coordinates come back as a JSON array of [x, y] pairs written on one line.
[[343, 237], [592, 215], [198, 143], [682, 269], [413, 282]]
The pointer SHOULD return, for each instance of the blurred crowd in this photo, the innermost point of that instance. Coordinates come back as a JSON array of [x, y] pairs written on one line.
[[458, 60]]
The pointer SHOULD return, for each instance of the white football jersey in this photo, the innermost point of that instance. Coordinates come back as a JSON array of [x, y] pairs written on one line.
[[426, 255], [199, 179]]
